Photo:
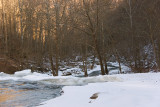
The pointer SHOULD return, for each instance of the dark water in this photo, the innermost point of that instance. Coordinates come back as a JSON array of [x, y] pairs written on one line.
[[26, 93]]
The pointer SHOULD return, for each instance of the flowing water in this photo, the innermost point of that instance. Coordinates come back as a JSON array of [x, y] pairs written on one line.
[[26, 93], [27, 89]]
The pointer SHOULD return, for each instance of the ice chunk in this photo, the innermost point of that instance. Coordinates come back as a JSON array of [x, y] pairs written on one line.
[[23, 73]]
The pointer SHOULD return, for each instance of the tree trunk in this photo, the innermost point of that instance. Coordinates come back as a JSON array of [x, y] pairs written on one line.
[[106, 66], [86, 50], [21, 23], [57, 30], [52, 65], [99, 55], [93, 62]]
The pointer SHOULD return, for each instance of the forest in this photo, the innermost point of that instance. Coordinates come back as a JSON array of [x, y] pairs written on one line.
[[36, 32]]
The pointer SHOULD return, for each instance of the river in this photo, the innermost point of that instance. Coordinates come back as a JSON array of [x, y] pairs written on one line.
[[24, 93], [27, 89]]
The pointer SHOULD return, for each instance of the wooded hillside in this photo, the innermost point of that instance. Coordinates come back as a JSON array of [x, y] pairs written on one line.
[[38, 31]]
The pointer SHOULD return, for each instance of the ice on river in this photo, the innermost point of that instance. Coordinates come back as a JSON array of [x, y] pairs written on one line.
[[60, 80], [24, 75]]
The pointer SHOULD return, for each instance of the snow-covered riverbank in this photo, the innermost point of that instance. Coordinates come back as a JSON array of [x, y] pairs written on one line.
[[136, 90], [116, 90], [28, 89]]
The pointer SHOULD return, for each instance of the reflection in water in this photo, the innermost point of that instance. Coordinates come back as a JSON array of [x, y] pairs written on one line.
[[8, 94], [26, 93]]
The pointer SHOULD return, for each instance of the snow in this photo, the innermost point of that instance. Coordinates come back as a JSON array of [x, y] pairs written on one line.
[[114, 65], [74, 81], [77, 70], [24, 75], [116, 90], [65, 80], [27, 75], [136, 90], [96, 68]]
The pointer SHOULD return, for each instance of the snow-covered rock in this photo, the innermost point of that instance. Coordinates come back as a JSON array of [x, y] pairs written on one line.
[[23, 72]]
